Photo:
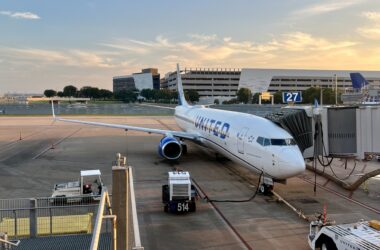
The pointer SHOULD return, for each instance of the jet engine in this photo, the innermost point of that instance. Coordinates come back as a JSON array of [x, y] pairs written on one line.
[[170, 148]]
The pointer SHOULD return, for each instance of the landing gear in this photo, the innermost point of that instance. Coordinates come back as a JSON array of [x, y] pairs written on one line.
[[265, 189], [266, 186], [184, 148]]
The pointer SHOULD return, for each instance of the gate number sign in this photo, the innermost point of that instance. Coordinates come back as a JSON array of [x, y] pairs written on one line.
[[295, 96]]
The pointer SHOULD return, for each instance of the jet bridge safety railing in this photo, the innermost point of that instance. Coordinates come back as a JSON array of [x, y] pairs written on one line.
[[34, 217], [104, 212]]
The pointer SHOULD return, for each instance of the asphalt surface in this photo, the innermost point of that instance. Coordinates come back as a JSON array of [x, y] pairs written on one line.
[[30, 167]]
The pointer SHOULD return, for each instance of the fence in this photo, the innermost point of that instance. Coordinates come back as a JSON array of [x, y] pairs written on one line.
[[89, 216], [24, 218]]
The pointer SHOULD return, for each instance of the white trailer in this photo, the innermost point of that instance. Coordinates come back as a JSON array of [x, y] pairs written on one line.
[[88, 188], [362, 235], [179, 194]]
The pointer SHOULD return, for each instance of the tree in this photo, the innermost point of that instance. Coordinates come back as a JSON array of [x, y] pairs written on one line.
[[89, 92], [192, 95], [50, 93], [147, 93], [244, 95], [255, 98], [231, 101], [216, 101], [105, 94], [277, 97], [126, 96], [60, 94], [69, 91]]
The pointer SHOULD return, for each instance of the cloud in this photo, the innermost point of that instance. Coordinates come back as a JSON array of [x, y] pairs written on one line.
[[374, 16], [76, 58], [203, 37], [326, 7], [371, 31], [20, 15], [139, 47], [125, 56], [295, 49], [299, 41]]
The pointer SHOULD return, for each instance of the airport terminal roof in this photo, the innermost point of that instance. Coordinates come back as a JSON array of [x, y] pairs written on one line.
[[258, 80]]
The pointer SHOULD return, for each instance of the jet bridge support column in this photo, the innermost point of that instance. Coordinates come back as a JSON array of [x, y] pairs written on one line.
[[120, 204]]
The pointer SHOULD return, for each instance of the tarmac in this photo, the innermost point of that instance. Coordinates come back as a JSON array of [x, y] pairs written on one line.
[[50, 153]]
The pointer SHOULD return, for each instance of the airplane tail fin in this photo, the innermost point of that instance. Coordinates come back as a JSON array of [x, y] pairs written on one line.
[[358, 81], [181, 95], [316, 104]]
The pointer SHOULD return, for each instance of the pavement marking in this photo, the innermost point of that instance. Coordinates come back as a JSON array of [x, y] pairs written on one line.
[[364, 167], [328, 180], [343, 196], [234, 231], [156, 106], [12, 143], [164, 124], [56, 143]]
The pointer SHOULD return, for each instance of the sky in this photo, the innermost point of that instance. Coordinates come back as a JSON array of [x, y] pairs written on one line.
[[51, 44]]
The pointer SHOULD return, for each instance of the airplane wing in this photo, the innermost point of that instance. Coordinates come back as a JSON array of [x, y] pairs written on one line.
[[180, 134]]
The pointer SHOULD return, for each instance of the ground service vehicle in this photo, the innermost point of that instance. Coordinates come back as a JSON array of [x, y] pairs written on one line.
[[363, 235], [88, 188], [179, 194]]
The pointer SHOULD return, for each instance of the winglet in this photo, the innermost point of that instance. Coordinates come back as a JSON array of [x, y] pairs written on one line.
[[181, 96], [52, 108]]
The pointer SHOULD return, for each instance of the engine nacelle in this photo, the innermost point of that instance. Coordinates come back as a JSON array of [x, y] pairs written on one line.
[[170, 148]]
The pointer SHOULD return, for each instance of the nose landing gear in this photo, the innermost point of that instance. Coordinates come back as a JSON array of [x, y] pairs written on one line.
[[266, 186]]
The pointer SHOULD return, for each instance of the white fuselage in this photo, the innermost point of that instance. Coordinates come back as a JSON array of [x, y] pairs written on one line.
[[245, 139]]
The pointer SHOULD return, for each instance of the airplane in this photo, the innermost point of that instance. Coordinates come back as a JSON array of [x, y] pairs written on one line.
[[249, 140], [358, 83]]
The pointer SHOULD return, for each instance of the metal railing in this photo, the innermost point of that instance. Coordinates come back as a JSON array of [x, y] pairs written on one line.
[[105, 212], [135, 222], [24, 218]]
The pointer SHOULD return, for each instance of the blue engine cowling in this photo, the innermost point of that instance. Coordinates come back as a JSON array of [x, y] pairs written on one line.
[[170, 148]]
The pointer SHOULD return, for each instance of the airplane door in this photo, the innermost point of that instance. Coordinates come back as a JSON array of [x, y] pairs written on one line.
[[240, 140]]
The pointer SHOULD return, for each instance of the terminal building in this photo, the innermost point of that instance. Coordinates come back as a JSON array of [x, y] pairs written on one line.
[[146, 79], [223, 84]]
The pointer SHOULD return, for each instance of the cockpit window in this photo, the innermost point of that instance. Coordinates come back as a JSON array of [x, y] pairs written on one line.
[[282, 142], [266, 142], [260, 140], [275, 142], [291, 141], [278, 142]]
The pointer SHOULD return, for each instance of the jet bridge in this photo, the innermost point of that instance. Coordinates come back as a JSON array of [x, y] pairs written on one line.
[[346, 131], [297, 123]]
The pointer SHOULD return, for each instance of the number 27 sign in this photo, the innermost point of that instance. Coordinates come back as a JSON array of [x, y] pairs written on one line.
[[295, 96]]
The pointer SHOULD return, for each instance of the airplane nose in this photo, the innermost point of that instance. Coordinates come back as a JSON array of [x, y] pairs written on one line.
[[298, 165], [293, 163]]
